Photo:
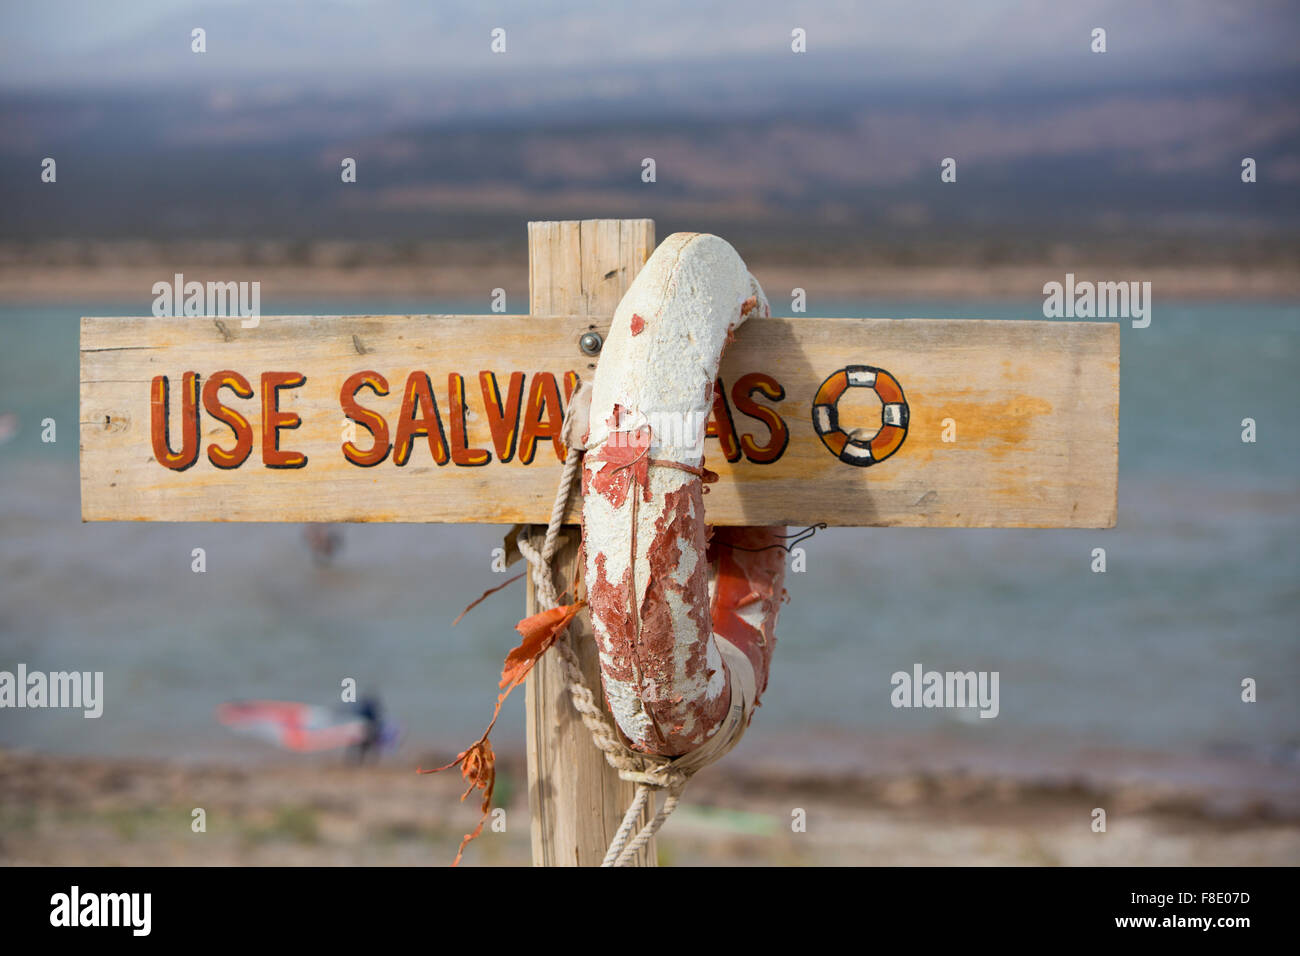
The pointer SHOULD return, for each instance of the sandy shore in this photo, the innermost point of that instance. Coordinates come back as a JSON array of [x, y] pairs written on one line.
[[70, 810]]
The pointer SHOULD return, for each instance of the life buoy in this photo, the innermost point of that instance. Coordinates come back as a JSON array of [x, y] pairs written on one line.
[[684, 615], [893, 415]]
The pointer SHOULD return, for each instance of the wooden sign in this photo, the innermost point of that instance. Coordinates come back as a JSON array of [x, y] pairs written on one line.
[[457, 418]]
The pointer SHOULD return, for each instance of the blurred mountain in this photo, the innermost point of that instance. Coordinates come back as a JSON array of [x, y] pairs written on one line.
[[246, 140]]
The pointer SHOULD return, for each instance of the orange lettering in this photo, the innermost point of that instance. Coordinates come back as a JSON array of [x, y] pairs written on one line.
[[238, 423], [273, 420], [742, 395], [160, 419], [418, 397], [372, 422]]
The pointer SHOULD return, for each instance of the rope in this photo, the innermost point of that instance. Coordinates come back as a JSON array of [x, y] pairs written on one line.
[[622, 855], [630, 818]]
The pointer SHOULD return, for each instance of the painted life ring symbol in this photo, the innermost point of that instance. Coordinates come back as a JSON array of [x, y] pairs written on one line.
[[893, 415]]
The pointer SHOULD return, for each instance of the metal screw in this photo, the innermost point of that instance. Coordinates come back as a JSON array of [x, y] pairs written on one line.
[[590, 343]]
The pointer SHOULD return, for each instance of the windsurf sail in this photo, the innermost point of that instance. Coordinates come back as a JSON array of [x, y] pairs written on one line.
[[294, 726]]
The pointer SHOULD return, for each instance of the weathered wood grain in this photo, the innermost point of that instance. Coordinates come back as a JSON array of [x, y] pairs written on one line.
[[576, 800], [1034, 406]]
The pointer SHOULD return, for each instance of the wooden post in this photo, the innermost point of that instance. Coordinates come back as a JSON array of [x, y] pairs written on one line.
[[576, 800]]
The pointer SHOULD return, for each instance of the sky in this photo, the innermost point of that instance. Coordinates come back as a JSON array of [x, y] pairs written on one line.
[[61, 44]]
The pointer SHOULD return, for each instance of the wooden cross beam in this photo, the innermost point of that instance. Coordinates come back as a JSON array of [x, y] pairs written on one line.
[[911, 422]]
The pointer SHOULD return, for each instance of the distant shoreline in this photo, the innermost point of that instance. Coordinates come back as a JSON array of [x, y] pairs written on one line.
[[476, 281], [979, 270]]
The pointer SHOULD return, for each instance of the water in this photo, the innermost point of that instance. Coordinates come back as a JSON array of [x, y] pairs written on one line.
[[1201, 589]]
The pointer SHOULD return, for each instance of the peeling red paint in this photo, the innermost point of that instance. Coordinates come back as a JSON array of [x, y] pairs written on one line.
[[678, 529], [743, 578], [647, 655], [626, 457], [640, 645], [657, 630], [610, 601]]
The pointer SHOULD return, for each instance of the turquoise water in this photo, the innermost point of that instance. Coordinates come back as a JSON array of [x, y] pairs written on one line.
[[1201, 590]]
